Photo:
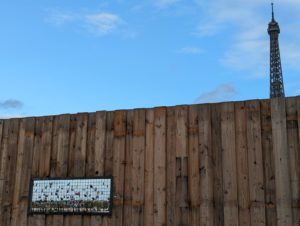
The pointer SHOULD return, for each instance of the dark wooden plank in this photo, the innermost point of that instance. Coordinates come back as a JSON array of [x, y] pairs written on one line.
[[160, 166], [281, 157], [128, 170], [10, 170], [37, 220], [193, 165], [109, 146], [206, 166], [171, 169], [149, 168], [242, 163], [218, 165], [229, 164], [255, 164]]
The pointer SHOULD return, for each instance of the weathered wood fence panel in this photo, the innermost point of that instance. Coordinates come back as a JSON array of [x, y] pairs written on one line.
[[234, 164]]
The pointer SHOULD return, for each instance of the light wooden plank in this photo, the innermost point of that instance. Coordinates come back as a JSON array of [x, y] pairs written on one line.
[[119, 165], [10, 170], [159, 166], [128, 170], [218, 165], [242, 163], [149, 168], [171, 166], [61, 150], [45, 155], [138, 161], [79, 155], [255, 164], [206, 166], [293, 148], [281, 157], [96, 139], [229, 165], [269, 169], [182, 216]]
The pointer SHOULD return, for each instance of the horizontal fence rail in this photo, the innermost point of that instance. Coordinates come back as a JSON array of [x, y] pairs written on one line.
[[234, 163]]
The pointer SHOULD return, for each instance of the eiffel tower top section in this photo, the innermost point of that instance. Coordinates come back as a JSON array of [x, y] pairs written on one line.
[[276, 79]]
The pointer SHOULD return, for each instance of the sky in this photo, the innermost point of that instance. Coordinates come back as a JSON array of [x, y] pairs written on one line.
[[69, 56]]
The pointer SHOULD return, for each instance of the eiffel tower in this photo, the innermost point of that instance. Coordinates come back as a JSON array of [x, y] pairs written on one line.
[[276, 79]]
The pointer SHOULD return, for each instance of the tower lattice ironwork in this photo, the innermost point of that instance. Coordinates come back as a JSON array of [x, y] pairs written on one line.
[[276, 79]]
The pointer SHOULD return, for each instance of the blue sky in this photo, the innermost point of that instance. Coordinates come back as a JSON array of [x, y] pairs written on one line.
[[69, 56]]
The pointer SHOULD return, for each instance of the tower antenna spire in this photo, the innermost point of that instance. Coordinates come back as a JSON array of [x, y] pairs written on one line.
[[272, 11]]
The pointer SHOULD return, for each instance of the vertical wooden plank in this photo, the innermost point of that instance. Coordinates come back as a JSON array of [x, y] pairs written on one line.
[[269, 169], [71, 157], [206, 166], [242, 163], [1, 131], [118, 165], [181, 217], [171, 166], [281, 156], [23, 171], [37, 220], [255, 164], [138, 158], [79, 159], [127, 212], [108, 164], [159, 166], [293, 148], [218, 165], [149, 168], [193, 165], [9, 169], [229, 164], [97, 147], [90, 161], [61, 150]]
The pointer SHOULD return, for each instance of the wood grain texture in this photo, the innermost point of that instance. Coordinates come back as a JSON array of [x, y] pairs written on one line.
[[193, 165], [206, 166], [293, 149], [234, 163], [269, 168], [229, 165], [149, 169], [281, 159], [255, 164], [159, 167]]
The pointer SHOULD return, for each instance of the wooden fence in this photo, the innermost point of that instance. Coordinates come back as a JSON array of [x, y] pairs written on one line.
[[229, 164]]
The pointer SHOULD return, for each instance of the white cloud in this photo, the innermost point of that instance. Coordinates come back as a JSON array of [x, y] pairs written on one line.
[[99, 24], [103, 23], [60, 18], [191, 50], [165, 3], [221, 93], [11, 116]]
